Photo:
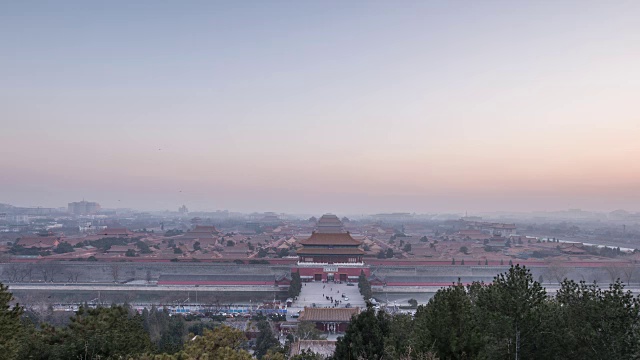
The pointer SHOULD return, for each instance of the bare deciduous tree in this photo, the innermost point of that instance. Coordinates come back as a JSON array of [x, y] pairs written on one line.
[[308, 331], [39, 305], [115, 272], [72, 276], [558, 272], [27, 272], [628, 271], [11, 272], [48, 271], [614, 271]]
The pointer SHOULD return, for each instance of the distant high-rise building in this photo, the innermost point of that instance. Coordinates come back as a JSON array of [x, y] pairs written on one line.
[[83, 208], [183, 210]]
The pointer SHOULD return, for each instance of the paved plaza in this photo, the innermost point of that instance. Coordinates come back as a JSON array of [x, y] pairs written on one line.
[[316, 293]]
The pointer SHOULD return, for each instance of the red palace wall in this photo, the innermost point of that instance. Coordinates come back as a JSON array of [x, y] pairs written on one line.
[[305, 272], [220, 283]]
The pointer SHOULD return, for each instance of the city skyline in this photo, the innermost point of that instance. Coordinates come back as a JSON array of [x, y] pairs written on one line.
[[321, 107]]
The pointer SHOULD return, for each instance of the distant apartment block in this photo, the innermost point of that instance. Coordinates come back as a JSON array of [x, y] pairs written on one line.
[[83, 208]]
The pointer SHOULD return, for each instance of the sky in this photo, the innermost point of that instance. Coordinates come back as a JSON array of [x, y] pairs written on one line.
[[321, 106]]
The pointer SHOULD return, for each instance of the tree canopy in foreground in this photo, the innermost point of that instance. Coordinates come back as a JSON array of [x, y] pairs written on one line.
[[511, 318]]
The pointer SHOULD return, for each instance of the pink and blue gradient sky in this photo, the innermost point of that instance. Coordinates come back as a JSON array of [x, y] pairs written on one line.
[[350, 107]]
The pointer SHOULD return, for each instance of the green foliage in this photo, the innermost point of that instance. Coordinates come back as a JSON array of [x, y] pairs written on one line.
[[118, 333], [397, 342], [165, 332], [177, 250], [12, 331], [307, 355], [173, 232], [144, 248], [106, 243], [260, 262], [283, 253], [365, 336], [130, 253], [509, 309], [296, 284], [21, 250], [199, 327], [266, 340], [464, 249], [389, 253], [102, 333], [230, 243], [196, 246], [365, 286], [597, 323], [275, 354], [221, 343], [510, 318], [407, 247], [308, 331], [446, 325], [63, 247], [413, 302]]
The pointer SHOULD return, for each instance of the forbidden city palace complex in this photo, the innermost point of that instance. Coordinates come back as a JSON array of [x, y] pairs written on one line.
[[330, 253]]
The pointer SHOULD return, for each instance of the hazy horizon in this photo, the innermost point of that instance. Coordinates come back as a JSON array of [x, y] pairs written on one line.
[[344, 107]]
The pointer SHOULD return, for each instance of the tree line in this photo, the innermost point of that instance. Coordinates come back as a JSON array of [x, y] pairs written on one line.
[[119, 332], [511, 318]]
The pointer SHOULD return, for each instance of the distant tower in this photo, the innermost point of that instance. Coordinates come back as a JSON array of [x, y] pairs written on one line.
[[83, 208]]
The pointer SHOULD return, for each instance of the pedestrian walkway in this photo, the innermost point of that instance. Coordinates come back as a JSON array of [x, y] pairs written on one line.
[[317, 293]]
